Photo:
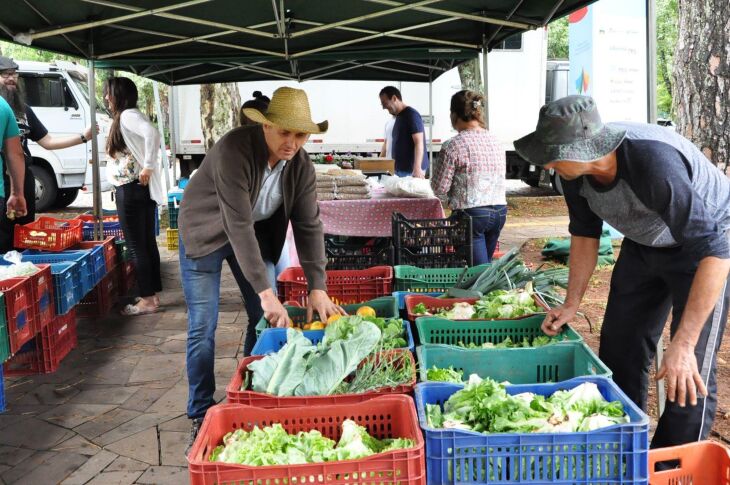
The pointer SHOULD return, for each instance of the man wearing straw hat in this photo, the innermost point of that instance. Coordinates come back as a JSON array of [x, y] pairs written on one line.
[[673, 207], [252, 183]]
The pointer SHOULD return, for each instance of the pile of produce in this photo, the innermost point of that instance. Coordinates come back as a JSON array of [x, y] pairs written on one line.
[[345, 361], [509, 272], [484, 406], [508, 343], [445, 375], [513, 303], [393, 335], [272, 445]]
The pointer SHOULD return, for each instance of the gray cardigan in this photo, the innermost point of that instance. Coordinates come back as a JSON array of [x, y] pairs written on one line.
[[219, 199]]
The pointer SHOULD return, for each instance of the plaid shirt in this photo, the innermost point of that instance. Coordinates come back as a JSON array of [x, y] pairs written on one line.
[[470, 171]]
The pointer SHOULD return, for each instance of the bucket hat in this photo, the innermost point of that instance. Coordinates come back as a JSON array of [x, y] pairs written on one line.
[[7, 63], [288, 109], [569, 129]]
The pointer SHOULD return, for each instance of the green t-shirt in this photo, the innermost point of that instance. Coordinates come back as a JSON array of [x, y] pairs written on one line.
[[8, 129]]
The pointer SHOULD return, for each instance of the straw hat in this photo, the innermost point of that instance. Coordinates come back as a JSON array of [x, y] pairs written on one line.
[[289, 109]]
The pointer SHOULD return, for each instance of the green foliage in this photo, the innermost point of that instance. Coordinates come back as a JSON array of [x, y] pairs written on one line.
[[666, 32], [558, 39]]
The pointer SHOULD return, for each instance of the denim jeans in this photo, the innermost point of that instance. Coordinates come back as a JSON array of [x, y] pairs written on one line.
[[486, 224], [201, 281], [137, 212]]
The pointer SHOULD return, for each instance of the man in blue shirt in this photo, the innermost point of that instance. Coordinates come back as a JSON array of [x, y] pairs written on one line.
[[12, 155], [673, 207], [409, 139]]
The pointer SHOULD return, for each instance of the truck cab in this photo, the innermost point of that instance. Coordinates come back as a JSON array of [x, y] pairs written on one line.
[[58, 94]]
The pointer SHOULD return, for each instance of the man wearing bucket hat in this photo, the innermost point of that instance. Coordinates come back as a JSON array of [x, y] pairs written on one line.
[[251, 184], [673, 207]]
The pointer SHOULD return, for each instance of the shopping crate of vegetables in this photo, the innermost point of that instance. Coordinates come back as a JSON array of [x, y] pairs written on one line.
[[526, 364], [497, 305], [584, 430], [702, 462], [257, 382], [383, 307], [486, 334], [430, 280], [377, 441], [393, 333], [343, 286]]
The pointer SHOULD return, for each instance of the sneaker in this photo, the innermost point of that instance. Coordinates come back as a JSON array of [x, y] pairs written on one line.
[[194, 428]]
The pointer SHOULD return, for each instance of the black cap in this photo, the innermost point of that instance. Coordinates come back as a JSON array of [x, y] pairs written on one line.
[[7, 63]]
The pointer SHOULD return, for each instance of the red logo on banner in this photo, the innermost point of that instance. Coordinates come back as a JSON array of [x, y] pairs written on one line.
[[578, 15]]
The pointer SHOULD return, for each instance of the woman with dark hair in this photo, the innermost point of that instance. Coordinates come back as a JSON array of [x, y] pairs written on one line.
[[470, 174], [259, 102], [133, 151]]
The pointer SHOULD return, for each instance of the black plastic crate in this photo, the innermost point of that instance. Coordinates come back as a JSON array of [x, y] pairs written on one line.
[[358, 252], [433, 243]]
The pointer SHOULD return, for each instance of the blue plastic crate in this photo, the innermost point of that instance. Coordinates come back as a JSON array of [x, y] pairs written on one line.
[[115, 230], [98, 262], [85, 273], [2, 390], [66, 292], [614, 455], [401, 297], [273, 339]]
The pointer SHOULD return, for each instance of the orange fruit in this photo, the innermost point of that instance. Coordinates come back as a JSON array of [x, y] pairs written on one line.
[[365, 311], [316, 325], [307, 326], [333, 318]]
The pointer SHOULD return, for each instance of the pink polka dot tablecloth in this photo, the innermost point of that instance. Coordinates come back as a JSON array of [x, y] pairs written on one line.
[[373, 217]]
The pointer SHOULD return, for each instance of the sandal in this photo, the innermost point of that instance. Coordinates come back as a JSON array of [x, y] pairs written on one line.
[[138, 299], [134, 310]]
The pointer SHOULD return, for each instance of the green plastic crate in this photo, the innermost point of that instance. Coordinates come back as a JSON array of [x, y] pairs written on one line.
[[435, 330], [424, 280], [385, 307], [551, 363], [4, 340], [122, 251]]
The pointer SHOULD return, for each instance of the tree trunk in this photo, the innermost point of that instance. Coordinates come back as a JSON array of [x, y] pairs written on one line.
[[234, 104], [207, 112], [701, 87], [470, 75]]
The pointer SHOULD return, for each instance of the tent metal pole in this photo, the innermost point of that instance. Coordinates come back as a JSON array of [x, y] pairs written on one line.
[[430, 125], [651, 64], [161, 129], [485, 80], [172, 100], [98, 222]]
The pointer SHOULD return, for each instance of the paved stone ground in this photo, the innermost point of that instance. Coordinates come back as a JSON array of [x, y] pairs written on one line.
[[114, 413]]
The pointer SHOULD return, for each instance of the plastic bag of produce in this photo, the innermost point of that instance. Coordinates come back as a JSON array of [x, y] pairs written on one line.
[[407, 187], [17, 266]]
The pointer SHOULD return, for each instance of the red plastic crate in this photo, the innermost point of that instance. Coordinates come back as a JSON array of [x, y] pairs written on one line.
[[49, 234], [700, 463], [433, 303], [92, 218], [110, 250], [49, 348], [343, 286], [99, 302], [19, 310], [384, 417], [44, 308], [262, 400], [126, 277]]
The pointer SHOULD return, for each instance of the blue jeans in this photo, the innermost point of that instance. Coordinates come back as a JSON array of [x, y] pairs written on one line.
[[201, 281], [486, 224]]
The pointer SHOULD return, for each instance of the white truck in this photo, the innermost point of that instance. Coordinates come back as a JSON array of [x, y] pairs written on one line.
[[58, 94], [517, 88]]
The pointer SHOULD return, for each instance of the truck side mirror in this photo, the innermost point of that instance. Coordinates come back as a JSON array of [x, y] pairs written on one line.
[[56, 93]]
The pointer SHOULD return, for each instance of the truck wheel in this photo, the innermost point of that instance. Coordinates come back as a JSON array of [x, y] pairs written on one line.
[[66, 197], [532, 182], [556, 183], [45, 188]]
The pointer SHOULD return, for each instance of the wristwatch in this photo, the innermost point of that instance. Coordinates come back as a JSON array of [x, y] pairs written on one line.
[[83, 138]]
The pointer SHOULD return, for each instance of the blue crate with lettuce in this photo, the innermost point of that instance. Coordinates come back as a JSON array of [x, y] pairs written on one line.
[[580, 431]]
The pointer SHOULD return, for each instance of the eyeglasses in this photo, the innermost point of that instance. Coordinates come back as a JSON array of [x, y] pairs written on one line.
[[8, 74]]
